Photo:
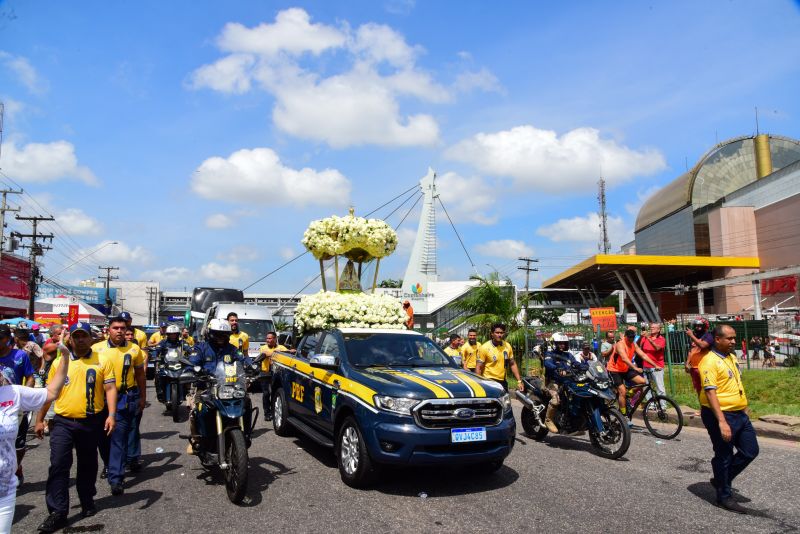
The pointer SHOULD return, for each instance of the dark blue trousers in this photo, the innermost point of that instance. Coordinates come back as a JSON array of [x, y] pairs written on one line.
[[65, 434], [726, 464], [135, 440], [118, 446]]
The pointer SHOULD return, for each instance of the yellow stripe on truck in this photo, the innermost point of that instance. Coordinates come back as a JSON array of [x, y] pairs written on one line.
[[440, 392], [345, 384], [477, 389]]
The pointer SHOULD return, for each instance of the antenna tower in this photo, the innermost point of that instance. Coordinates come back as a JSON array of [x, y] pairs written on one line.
[[603, 246]]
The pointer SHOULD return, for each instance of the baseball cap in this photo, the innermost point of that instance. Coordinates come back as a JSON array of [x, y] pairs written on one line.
[[35, 327], [162, 324], [125, 316], [5, 330], [81, 325]]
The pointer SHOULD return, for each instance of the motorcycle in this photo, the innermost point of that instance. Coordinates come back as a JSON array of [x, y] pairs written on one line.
[[174, 379], [223, 422], [586, 403]]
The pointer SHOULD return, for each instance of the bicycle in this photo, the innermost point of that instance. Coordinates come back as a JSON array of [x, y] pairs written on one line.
[[662, 415]]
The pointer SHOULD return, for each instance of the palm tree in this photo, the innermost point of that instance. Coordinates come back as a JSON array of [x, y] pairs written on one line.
[[492, 301]]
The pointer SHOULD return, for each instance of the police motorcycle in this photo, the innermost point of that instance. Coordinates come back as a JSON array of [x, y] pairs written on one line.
[[173, 376], [223, 421], [587, 403]]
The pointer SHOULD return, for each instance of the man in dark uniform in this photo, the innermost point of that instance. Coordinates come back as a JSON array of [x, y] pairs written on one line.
[[79, 423]]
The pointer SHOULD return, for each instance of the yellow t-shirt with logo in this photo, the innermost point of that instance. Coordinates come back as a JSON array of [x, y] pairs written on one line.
[[244, 338], [189, 340], [83, 394], [722, 373], [156, 338], [494, 359], [117, 355], [470, 354], [265, 363], [140, 337]]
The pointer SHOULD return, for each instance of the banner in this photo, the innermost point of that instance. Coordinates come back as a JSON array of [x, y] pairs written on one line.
[[604, 318], [92, 295], [72, 316]]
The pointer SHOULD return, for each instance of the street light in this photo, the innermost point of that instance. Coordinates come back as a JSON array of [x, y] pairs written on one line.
[[95, 251]]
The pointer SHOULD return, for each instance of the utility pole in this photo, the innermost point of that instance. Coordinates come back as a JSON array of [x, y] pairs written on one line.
[[604, 246], [36, 250], [108, 278], [152, 305], [528, 269], [3, 209]]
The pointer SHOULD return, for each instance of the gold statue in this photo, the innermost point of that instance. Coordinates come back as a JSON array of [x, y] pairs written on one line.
[[349, 280]]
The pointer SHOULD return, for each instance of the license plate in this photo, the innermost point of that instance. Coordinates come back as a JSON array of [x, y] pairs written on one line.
[[464, 435]]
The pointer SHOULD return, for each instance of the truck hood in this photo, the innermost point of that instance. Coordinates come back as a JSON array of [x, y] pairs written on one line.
[[426, 382]]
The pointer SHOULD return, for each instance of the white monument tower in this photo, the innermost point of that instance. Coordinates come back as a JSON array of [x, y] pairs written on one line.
[[421, 269]]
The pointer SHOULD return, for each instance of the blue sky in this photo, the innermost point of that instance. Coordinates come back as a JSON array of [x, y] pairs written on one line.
[[204, 136]]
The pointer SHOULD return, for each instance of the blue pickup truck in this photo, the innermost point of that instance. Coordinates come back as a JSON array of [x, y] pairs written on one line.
[[380, 397]]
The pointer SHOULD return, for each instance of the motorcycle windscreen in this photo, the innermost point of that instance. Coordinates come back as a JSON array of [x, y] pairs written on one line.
[[172, 355], [231, 383]]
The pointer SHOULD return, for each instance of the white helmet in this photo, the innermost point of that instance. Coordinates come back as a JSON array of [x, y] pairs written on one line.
[[219, 325], [172, 329], [559, 337]]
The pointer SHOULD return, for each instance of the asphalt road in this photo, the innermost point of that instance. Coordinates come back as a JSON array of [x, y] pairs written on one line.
[[558, 485]]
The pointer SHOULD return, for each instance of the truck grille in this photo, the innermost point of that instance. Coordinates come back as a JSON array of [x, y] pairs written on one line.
[[452, 413]]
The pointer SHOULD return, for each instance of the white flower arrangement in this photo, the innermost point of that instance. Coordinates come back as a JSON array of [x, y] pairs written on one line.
[[354, 237], [328, 309]]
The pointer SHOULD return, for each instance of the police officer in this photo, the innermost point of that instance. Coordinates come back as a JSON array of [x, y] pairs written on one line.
[[557, 364], [78, 423], [171, 340], [266, 372], [159, 335], [127, 360], [207, 355], [139, 335]]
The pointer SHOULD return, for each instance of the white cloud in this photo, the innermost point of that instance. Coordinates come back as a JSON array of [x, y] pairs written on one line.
[[540, 159], [44, 162], [292, 33], [287, 253], [642, 196], [11, 108], [25, 72], [258, 176], [107, 253], [505, 248], [405, 241], [76, 222], [481, 79], [169, 276], [355, 105], [586, 230], [218, 221], [239, 254], [466, 199], [222, 272]]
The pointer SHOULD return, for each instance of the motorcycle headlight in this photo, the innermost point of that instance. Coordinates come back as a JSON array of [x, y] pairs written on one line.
[[175, 366], [506, 401], [399, 405], [227, 392]]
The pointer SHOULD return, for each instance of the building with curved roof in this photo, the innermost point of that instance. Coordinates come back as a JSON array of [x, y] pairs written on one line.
[[741, 200]]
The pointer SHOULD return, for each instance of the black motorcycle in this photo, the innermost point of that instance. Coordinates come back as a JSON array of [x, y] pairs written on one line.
[[223, 422], [586, 403], [173, 378]]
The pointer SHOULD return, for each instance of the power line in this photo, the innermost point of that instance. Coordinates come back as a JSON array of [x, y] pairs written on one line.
[[457, 235], [36, 250]]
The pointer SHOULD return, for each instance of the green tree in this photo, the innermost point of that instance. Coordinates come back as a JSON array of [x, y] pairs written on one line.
[[391, 283], [282, 325], [492, 301]]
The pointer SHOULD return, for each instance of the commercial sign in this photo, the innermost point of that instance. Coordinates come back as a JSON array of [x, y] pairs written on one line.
[[774, 286], [604, 318], [72, 316], [92, 295]]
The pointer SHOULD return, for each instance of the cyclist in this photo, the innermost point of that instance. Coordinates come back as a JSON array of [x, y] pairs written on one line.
[[621, 367]]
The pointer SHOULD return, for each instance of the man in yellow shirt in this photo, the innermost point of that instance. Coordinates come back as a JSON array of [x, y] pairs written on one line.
[[469, 351], [239, 339], [79, 423], [724, 415], [189, 340], [158, 335], [495, 355], [454, 348], [128, 362], [266, 372]]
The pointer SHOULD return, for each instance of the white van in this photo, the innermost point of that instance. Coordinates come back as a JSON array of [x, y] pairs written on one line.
[[254, 319]]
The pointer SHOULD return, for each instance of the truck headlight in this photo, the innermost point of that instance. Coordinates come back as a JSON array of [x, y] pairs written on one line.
[[506, 400], [399, 405]]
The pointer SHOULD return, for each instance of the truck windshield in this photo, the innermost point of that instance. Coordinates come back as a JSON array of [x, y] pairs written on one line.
[[256, 328], [393, 350]]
